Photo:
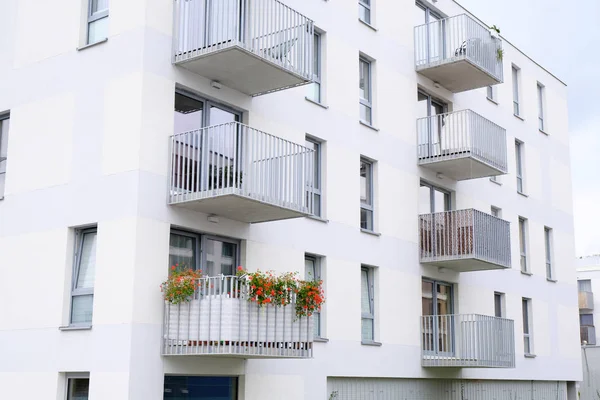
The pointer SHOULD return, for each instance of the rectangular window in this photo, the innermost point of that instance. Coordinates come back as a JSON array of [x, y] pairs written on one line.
[[78, 386], [515, 82], [364, 11], [367, 295], [365, 91], [4, 123], [496, 212], [548, 247], [97, 21], [586, 319], [527, 331], [84, 273], [433, 199], [519, 163], [312, 272], [540, 94], [213, 255], [437, 305], [584, 285], [200, 387], [314, 89], [366, 195], [523, 244], [499, 305], [491, 93], [315, 192]]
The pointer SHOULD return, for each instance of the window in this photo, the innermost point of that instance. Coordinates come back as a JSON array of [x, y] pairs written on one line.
[[527, 331], [499, 305], [523, 244], [365, 91], [540, 94], [4, 123], [366, 195], [78, 386], [433, 199], [491, 93], [496, 212], [515, 82], [548, 246], [367, 296], [584, 285], [218, 255], [519, 161], [200, 387], [495, 178], [587, 331], [364, 11], [97, 21], [315, 192], [312, 272], [437, 306], [586, 319], [314, 89], [193, 113], [84, 272], [430, 125]]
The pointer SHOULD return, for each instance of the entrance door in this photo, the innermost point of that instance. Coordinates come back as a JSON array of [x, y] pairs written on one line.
[[438, 321]]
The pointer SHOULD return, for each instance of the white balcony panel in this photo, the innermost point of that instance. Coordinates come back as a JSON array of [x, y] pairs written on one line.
[[254, 46], [459, 53]]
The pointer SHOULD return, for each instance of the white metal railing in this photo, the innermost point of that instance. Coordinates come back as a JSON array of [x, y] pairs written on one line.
[[267, 28], [455, 38], [219, 320], [460, 134], [468, 340], [233, 158], [464, 234]]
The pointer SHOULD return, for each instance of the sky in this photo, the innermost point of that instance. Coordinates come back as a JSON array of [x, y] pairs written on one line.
[[564, 37]]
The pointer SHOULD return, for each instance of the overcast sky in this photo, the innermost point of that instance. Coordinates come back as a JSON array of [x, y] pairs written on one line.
[[564, 37]]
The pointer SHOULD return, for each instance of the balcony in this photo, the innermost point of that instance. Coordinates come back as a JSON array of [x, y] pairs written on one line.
[[586, 301], [462, 145], [241, 173], [588, 335], [220, 321], [464, 240], [254, 46], [459, 53], [467, 341]]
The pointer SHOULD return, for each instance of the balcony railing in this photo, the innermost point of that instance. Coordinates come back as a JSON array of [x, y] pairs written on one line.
[[586, 301], [459, 53], [241, 173], [588, 335], [464, 240], [462, 145], [470, 340], [255, 46], [220, 321]]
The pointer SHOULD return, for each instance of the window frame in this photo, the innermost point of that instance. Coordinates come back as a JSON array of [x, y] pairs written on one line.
[[318, 68], [368, 102], [93, 17], [366, 4], [491, 94], [70, 376], [540, 93], [584, 282], [371, 289], [496, 211], [77, 292], [523, 245], [369, 208], [519, 163], [4, 117], [200, 255], [432, 189], [548, 247], [527, 311], [317, 262], [316, 189], [501, 297], [515, 71], [206, 105]]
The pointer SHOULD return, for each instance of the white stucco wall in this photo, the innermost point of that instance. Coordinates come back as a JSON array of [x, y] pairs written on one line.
[[88, 145]]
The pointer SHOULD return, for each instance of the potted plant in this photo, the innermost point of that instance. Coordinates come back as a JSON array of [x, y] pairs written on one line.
[[495, 31], [500, 54], [181, 284]]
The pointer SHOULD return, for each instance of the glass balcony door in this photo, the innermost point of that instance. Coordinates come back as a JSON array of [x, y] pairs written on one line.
[[431, 113], [438, 330]]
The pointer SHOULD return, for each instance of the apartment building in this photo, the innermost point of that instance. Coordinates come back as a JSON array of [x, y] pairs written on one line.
[[403, 153]]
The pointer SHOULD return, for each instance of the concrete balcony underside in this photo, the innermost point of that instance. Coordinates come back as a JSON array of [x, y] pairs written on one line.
[[461, 166], [458, 74]]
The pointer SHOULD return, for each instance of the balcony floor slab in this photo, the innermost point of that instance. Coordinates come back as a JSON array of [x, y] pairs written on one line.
[[465, 264], [457, 74], [460, 166]]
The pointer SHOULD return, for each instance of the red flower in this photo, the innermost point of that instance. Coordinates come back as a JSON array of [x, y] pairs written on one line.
[[173, 268], [240, 268]]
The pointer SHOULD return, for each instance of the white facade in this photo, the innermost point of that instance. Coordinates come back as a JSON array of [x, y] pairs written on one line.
[[88, 146]]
